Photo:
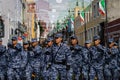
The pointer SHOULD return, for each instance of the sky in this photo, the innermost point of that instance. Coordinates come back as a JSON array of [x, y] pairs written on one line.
[[53, 10]]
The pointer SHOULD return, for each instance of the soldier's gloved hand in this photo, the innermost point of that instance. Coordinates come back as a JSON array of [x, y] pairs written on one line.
[[36, 55], [47, 52], [49, 65], [67, 67], [71, 48], [30, 48]]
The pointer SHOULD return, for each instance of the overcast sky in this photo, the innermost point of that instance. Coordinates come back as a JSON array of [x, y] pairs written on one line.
[[56, 11]]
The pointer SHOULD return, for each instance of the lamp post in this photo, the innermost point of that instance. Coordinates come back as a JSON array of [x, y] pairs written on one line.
[[106, 23], [84, 20]]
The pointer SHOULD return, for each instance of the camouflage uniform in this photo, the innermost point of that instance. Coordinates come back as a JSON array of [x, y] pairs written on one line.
[[3, 62], [37, 60], [97, 61], [111, 67], [49, 72], [62, 62], [77, 62], [86, 60], [62, 59], [14, 62], [25, 64]]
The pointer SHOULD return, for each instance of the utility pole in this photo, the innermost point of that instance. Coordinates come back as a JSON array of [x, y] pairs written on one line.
[[106, 23], [84, 20]]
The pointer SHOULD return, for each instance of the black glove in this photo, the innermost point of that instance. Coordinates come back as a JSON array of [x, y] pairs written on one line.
[[47, 52], [67, 67], [30, 48], [48, 66], [71, 48]]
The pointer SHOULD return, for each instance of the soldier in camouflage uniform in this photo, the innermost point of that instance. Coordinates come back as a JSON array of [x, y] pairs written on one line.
[[49, 72], [111, 68], [87, 59], [61, 58], [26, 58], [3, 62], [98, 53], [37, 59], [76, 58], [14, 60]]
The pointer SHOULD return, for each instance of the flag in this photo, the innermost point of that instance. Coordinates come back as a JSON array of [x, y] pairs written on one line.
[[58, 26], [102, 7], [82, 15], [70, 24], [72, 19]]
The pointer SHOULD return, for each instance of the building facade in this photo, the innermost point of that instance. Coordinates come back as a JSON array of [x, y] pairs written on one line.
[[93, 24], [12, 16], [107, 26], [30, 19], [113, 19]]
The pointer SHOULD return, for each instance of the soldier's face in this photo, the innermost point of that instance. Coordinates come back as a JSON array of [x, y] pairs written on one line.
[[88, 45], [14, 42], [73, 41], [97, 42], [111, 45], [26, 46], [58, 40], [50, 43], [41, 41], [115, 46], [34, 43], [0, 42]]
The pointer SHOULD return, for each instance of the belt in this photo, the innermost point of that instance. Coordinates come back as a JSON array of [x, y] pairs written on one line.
[[63, 63]]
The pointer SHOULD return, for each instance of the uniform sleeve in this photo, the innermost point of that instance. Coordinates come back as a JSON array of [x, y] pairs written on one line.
[[68, 56], [2, 49], [24, 60], [38, 50], [85, 54]]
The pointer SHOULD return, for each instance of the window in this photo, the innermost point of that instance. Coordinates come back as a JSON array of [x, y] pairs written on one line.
[[91, 34], [94, 11], [95, 30], [12, 31], [97, 8], [88, 15]]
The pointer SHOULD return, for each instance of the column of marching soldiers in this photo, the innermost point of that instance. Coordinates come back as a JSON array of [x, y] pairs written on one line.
[[58, 60]]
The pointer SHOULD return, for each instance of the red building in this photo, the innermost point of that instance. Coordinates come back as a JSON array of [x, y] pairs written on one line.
[[113, 29]]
